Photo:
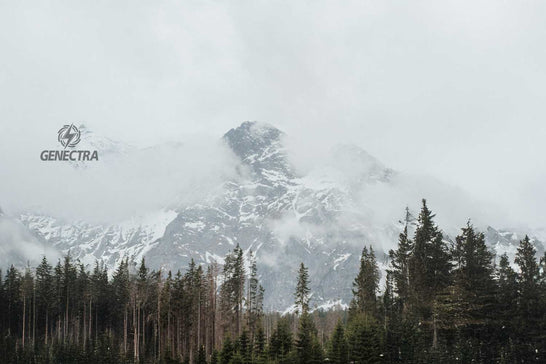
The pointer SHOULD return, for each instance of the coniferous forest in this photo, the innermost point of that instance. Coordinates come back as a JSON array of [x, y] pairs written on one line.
[[442, 301]]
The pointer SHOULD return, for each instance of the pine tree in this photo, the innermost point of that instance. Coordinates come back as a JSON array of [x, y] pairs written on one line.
[[121, 290], [228, 351], [281, 341], [302, 291], [232, 292], [507, 302], [45, 295], [259, 346], [393, 321], [430, 270], [305, 342], [529, 276], [400, 267], [245, 348], [472, 297], [530, 313], [338, 352], [366, 283], [364, 339], [255, 298]]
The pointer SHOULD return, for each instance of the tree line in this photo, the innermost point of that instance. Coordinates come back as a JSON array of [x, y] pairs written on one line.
[[442, 301]]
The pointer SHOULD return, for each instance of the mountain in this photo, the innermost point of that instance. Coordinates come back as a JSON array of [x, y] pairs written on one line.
[[323, 217]]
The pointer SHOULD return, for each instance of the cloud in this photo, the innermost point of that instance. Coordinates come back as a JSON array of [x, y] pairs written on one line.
[[19, 247], [121, 184], [451, 89]]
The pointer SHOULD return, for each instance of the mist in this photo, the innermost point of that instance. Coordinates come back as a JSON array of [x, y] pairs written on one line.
[[451, 90], [20, 248], [121, 185]]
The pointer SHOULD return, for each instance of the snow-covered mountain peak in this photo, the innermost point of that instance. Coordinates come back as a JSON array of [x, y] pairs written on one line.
[[259, 145]]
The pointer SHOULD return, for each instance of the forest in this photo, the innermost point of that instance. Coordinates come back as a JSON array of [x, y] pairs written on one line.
[[443, 300]]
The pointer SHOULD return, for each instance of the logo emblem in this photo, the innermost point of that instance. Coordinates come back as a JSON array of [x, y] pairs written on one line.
[[69, 136]]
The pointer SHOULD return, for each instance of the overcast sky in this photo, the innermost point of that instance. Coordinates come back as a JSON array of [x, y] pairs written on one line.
[[452, 89]]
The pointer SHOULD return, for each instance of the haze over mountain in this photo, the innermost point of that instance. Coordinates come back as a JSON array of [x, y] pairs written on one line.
[[199, 200]]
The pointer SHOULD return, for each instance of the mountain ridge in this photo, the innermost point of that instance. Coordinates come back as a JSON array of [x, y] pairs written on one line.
[[284, 217]]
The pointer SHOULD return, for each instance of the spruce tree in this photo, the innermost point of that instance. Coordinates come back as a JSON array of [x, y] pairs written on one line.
[[281, 341], [306, 338], [338, 352], [430, 270], [366, 283], [45, 295], [302, 291], [507, 294], [364, 340], [228, 351], [232, 292], [472, 296], [255, 298], [260, 346], [400, 267], [530, 312]]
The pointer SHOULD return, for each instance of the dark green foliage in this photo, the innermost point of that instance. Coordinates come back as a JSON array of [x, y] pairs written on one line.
[[214, 357], [365, 340], [306, 340], [400, 267], [228, 351], [366, 284], [232, 292], [338, 352], [531, 311], [201, 356], [429, 264], [281, 341]]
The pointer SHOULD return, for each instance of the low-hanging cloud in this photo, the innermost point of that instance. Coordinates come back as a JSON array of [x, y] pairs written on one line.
[[120, 185], [19, 247]]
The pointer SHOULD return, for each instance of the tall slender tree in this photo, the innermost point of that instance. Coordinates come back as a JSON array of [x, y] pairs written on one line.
[[366, 283], [302, 290]]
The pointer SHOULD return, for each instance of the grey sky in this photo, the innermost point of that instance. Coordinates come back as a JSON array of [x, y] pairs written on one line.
[[448, 88]]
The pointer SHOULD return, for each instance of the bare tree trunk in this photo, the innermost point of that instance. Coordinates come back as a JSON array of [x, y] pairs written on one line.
[[178, 349], [24, 317], [135, 334], [34, 317], [96, 324], [435, 333], [144, 330], [90, 321], [199, 319], [84, 325], [125, 330], [46, 324], [138, 328], [66, 319], [159, 326]]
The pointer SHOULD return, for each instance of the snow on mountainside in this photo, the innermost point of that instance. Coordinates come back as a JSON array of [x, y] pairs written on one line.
[[320, 218]]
